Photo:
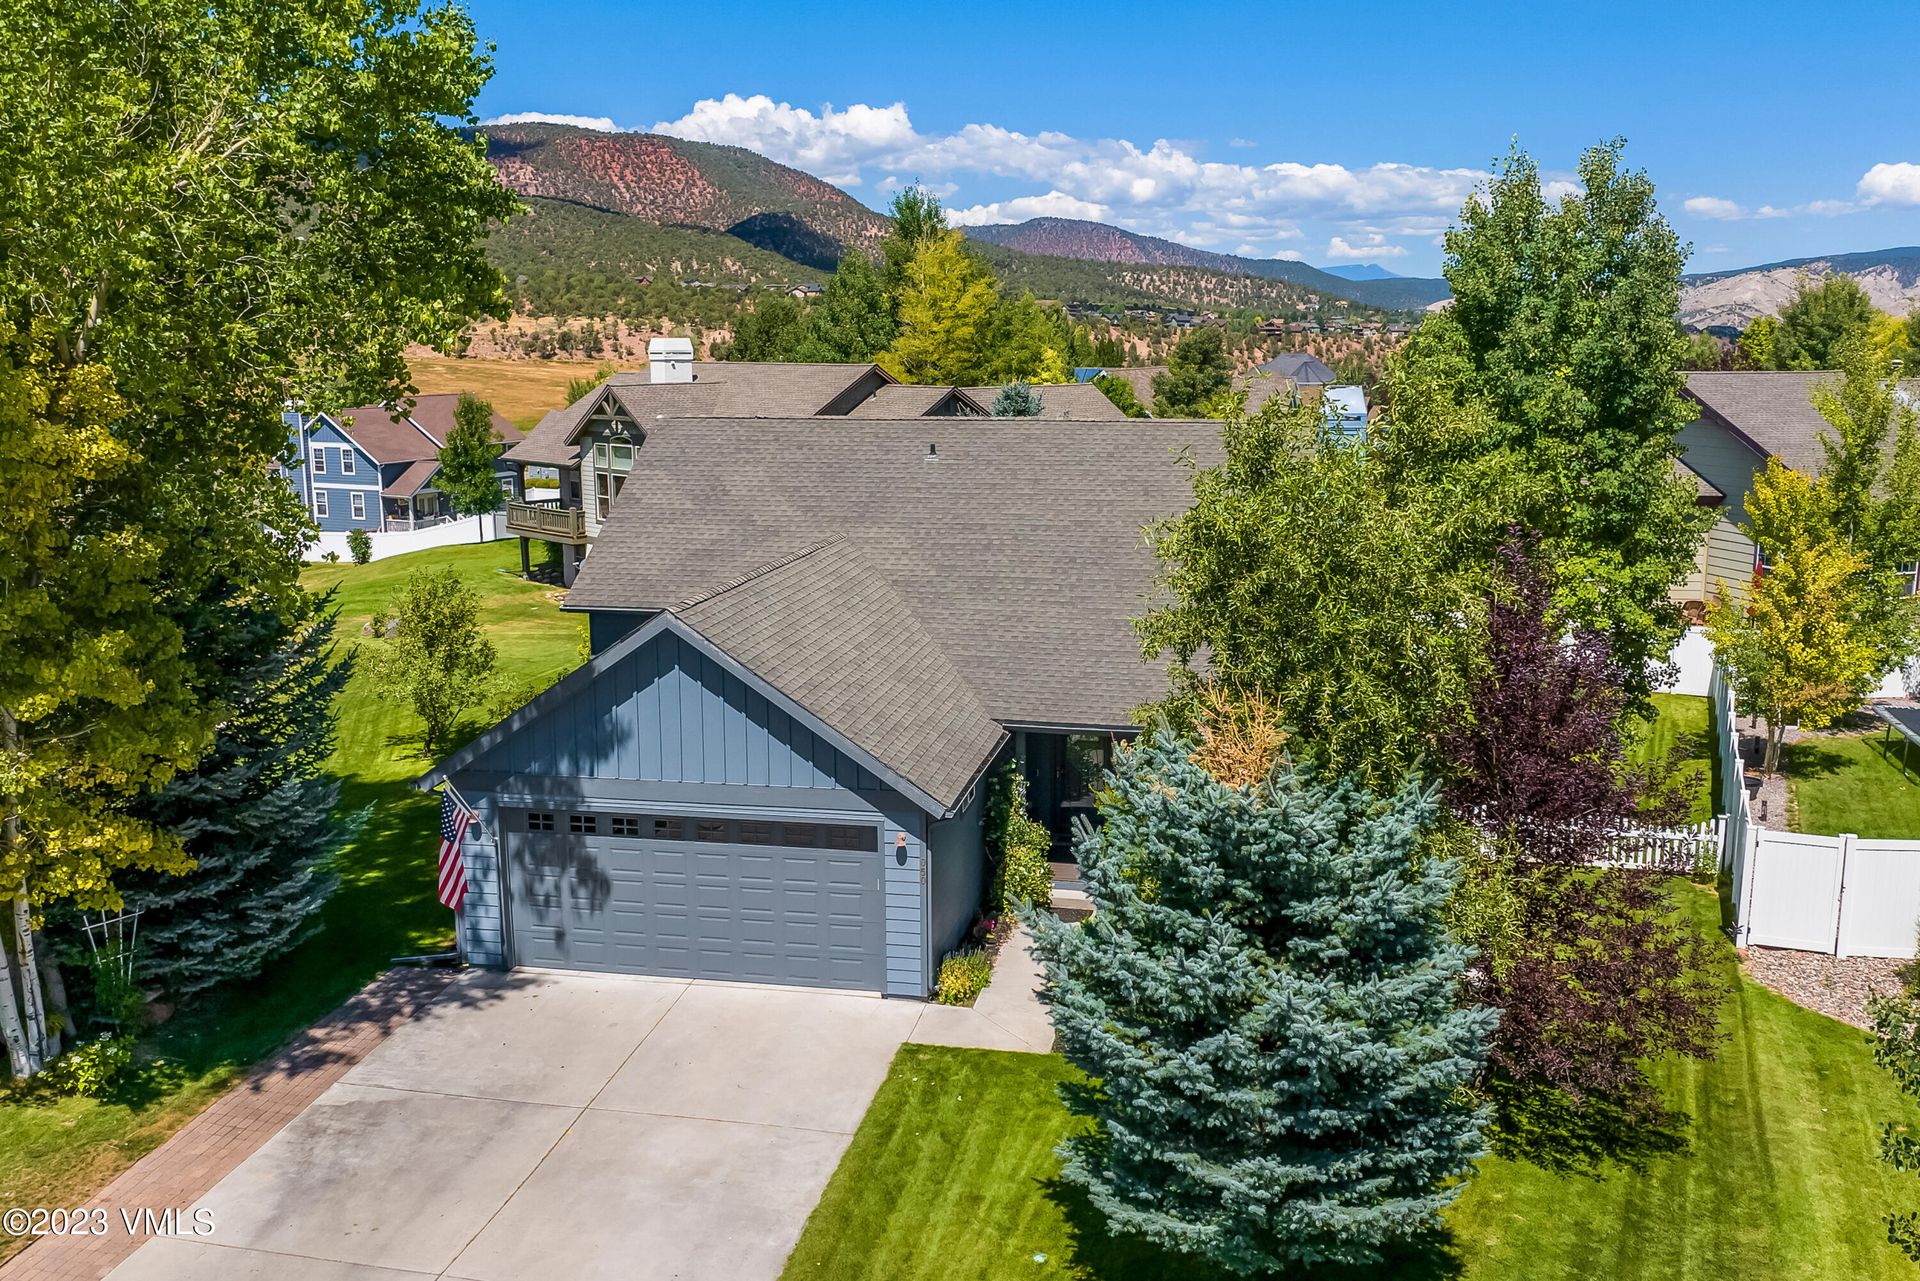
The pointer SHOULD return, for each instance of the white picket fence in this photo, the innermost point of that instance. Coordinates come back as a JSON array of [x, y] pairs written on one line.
[[1843, 895], [468, 529], [1680, 851]]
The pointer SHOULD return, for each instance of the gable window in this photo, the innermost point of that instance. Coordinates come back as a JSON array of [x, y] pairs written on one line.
[[319, 461], [582, 824], [319, 502], [346, 462], [539, 822], [359, 504], [615, 453]]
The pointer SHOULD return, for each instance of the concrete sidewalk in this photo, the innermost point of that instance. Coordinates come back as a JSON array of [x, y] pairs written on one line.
[[1007, 1016]]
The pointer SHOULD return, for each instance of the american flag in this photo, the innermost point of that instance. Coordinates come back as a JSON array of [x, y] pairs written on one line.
[[454, 817]]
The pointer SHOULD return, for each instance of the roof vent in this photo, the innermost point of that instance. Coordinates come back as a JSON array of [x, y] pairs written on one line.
[[933, 453], [670, 360]]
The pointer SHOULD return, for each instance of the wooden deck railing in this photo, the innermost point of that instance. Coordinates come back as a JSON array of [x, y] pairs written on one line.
[[546, 520]]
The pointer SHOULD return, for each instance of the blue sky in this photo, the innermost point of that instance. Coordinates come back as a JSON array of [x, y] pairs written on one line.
[[1330, 133]]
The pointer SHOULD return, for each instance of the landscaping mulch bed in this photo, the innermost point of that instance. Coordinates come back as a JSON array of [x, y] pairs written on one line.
[[1836, 986]]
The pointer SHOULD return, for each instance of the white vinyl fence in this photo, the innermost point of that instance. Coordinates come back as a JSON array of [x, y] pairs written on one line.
[[1843, 895], [468, 529]]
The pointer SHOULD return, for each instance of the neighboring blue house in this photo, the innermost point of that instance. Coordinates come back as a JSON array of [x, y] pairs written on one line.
[[1345, 407], [372, 468]]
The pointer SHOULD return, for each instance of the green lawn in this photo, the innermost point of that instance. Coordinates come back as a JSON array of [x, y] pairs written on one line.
[[1680, 721], [1853, 783], [58, 1153], [952, 1176]]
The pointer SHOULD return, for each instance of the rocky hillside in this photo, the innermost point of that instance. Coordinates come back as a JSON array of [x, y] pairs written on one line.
[[1100, 242], [672, 182], [1891, 278]]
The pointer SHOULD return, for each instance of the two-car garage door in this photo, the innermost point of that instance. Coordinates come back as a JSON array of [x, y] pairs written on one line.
[[698, 896]]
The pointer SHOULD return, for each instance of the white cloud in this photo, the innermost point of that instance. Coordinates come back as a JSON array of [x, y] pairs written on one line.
[[599, 124], [1163, 181], [1241, 142], [1339, 249], [1055, 204], [834, 140], [1891, 184], [1713, 207]]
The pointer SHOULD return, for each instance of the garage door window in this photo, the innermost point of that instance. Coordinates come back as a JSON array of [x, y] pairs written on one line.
[[718, 831]]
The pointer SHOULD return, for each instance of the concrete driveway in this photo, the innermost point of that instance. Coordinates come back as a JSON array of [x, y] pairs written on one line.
[[529, 1127]]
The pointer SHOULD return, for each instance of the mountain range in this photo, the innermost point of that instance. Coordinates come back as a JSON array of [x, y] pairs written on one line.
[[1099, 242], [610, 209], [1891, 278]]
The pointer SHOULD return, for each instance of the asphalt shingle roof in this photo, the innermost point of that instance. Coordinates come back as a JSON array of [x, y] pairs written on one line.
[[1019, 549], [412, 480], [393, 439], [907, 400], [720, 388], [1774, 410], [823, 628], [1072, 402]]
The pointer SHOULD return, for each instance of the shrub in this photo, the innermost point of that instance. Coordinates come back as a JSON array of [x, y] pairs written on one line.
[[963, 976], [1019, 845], [331, 557], [360, 546], [89, 1069]]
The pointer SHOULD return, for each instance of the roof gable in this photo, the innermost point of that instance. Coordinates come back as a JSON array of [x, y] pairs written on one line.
[[822, 638]]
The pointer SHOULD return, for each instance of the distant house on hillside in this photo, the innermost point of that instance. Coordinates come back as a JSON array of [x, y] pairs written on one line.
[[1296, 374], [373, 468]]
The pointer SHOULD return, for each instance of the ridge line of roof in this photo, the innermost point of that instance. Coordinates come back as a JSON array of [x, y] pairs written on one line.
[[760, 571]]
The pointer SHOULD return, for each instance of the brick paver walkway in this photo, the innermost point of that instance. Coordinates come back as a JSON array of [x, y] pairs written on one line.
[[184, 1168]]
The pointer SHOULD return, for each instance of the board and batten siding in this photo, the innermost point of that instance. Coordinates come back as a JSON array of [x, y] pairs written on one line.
[[957, 875], [669, 727], [483, 925]]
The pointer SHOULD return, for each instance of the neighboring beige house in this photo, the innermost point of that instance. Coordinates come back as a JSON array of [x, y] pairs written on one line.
[[1745, 419]]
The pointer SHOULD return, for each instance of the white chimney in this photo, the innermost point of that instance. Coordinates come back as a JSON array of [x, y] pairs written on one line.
[[670, 360]]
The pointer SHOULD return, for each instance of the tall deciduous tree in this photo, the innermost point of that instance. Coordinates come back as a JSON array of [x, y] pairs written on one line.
[[467, 475], [772, 331], [945, 301], [1198, 373], [1120, 392], [1301, 571], [208, 210], [1808, 643], [917, 219], [438, 661], [1821, 317], [851, 321], [255, 814], [1561, 354], [1269, 1009], [1871, 457], [1595, 974], [1758, 344]]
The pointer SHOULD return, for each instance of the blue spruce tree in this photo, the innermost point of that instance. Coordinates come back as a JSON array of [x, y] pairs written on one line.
[[1269, 1009], [256, 813], [1018, 400]]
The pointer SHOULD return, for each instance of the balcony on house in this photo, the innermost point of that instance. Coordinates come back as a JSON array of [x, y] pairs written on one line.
[[549, 521]]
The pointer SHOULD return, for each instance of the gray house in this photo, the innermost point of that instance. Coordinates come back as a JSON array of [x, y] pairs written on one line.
[[806, 661], [592, 445]]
